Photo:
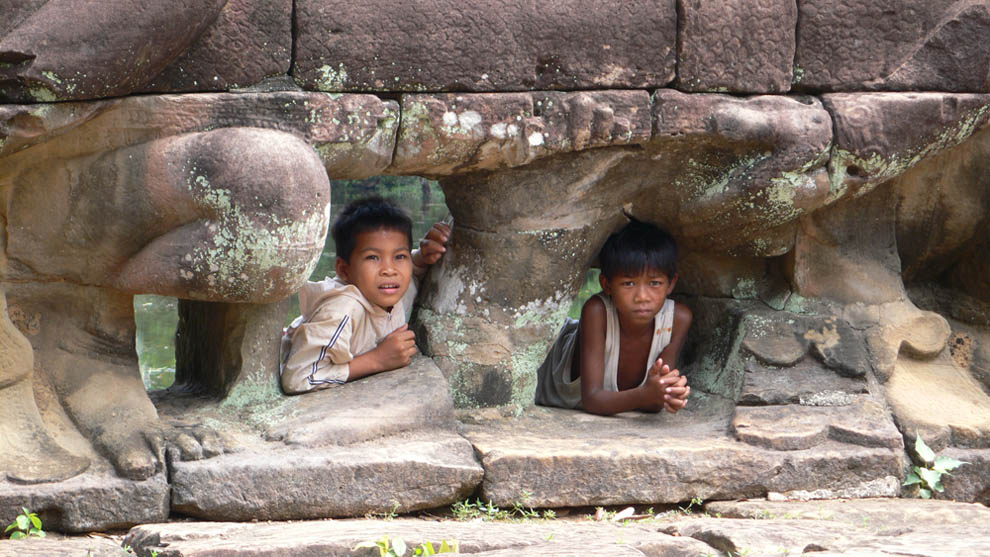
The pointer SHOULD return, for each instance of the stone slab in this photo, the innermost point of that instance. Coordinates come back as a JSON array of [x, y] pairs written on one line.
[[338, 537], [426, 470], [878, 512], [792, 427], [550, 454], [62, 51], [386, 442], [971, 481], [503, 45], [786, 537], [806, 382], [452, 133], [95, 500], [411, 398], [735, 46], [249, 41], [96, 546], [850, 45]]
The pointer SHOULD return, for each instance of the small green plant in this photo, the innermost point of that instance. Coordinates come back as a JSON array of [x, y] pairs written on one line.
[[26, 524], [395, 547], [928, 478], [482, 510]]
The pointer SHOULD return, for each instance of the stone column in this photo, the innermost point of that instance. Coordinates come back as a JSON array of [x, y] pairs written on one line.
[[523, 240]]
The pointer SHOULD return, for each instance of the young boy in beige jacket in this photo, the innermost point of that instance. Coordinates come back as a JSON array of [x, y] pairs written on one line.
[[354, 325]]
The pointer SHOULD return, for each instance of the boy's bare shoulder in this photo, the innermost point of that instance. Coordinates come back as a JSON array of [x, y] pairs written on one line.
[[593, 307], [682, 315]]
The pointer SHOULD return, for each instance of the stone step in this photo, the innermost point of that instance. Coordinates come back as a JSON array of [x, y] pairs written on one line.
[[558, 458], [757, 527], [275, 482], [339, 537], [387, 442]]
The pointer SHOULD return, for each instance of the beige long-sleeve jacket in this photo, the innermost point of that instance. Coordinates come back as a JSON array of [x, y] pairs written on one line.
[[337, 324]]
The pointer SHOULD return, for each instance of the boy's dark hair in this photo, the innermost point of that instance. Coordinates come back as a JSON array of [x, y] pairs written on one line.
[[638, 246], [362, 215]]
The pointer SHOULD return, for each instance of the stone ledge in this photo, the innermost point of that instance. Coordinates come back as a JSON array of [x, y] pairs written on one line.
[[549, 454], [95, 500], [338, 537], [428, 470]]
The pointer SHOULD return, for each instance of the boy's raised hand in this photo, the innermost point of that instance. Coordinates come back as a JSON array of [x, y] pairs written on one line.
[[432, 246], [397, 349]]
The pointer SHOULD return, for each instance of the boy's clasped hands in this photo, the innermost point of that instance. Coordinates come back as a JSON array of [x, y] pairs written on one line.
[[669, 386]]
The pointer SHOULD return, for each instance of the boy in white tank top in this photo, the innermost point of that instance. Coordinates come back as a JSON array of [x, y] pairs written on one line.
[[622, 354]]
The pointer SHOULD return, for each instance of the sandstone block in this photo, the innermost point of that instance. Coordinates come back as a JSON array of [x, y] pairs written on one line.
[[412, 398], [95, 500], [419, 471], [804, 383], [249, 41], [710, 158], [795, 427], [640, 458], [879, 136], [736, 46], [892, 45], [338, 537], [502, 45], [444, 134], [57, 51]]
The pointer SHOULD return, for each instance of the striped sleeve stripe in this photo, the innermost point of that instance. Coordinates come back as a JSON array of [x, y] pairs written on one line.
[[323, 353]]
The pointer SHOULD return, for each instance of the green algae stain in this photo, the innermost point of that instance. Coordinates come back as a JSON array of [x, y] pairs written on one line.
[[42, 94], [248, 249], [331, 79]]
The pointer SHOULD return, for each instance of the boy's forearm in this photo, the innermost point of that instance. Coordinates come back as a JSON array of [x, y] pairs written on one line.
[[364, 365], [606, 403]]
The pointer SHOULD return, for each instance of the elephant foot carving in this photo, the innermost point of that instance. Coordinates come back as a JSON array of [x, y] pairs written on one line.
[[30, 455]]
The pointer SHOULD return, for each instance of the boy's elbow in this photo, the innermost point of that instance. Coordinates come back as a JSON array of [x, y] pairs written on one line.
[[292, 385]]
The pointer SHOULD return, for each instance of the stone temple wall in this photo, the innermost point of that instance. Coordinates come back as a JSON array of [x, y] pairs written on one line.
[[824, 165]]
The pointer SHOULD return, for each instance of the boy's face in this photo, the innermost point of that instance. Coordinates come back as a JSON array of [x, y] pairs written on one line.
[[380, 266], [638, 297]]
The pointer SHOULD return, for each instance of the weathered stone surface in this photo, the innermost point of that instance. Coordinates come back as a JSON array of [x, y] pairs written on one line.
[[954, 244], [892, 45], [778, 341], [505, 45], [711, 159], [49, 545], [458, 133], [804, 383], [248, 41], [95, 500], [879, 136], [503, 326], [826, 537], [794, 427], [420, 471], [737, 46], [57, 51], [971, 481], [408, 399], [876, 513], [338, 537], [218, 344], [353, 134], [940, 401], [641, 458], [368, 446], [847, 252]]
